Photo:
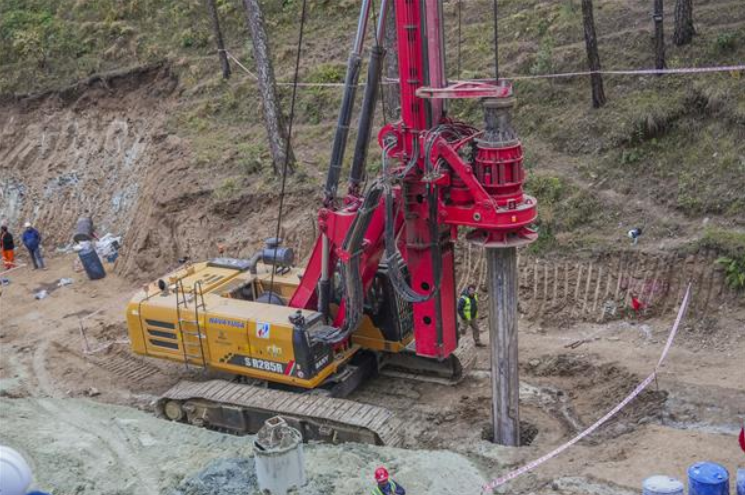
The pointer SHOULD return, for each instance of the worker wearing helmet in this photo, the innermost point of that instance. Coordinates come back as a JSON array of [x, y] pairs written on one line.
[[468, 311], [15, 473], [386, 486]]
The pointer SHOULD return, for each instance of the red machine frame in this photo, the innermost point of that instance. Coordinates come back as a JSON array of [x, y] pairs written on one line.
[[483, 192]]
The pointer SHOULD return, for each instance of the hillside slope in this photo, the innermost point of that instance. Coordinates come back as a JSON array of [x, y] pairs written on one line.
[[174, 157]]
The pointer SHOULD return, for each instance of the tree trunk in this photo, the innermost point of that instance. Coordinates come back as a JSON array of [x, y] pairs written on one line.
[[391, 91], [273, 118], [659, 35], [684, 30], [212, 9], [593, 58]]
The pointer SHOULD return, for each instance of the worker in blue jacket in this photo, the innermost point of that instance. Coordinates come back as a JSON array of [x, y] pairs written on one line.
[[32, 241]]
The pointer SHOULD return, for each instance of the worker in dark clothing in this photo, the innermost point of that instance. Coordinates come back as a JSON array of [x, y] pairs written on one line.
[[32, 241], [634, 235], [468, 310], [386, 486], [7, 246]]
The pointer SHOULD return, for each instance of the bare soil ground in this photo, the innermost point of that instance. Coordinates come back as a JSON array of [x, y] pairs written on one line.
[[71, 409]]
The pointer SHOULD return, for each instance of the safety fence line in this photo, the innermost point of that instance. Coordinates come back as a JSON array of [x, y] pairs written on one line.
[[561, 75], [644, 384]]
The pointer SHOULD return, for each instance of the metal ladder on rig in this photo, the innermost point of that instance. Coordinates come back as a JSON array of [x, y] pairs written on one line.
[[190, 329]]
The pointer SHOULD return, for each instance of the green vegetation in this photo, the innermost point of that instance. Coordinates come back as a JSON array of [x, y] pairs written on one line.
[[674, 140], [725, 42], [228, 189], [727, 243], [562, 208], [734, 270], [253, 157]]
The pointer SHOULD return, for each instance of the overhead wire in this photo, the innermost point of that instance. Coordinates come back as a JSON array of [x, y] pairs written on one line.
[[496, 41], [288, 141]]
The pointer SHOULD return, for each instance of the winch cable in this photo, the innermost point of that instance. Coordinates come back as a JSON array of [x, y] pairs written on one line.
[[460, 38], [289, 136], [496, 44]]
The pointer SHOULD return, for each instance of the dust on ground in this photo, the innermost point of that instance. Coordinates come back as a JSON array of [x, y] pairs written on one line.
[[64, 395]]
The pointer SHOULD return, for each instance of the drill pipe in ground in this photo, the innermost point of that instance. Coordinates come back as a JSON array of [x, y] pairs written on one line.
[[502, 285]]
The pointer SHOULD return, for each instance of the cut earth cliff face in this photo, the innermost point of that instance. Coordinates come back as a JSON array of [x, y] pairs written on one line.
[[87, 150], [104, 148]]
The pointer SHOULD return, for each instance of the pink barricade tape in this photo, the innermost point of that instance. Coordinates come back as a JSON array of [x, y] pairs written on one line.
[[644, 384]]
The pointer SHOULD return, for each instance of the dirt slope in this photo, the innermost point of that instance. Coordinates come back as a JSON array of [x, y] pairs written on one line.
[[104, 147]]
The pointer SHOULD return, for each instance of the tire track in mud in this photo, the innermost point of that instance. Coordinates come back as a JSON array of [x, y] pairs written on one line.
[[126, 457]]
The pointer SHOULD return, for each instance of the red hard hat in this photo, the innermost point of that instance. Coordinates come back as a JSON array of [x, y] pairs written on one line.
[[381, 475]]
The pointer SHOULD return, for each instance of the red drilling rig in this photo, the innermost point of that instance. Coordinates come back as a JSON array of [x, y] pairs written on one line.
[[382, 268], [439, 174]]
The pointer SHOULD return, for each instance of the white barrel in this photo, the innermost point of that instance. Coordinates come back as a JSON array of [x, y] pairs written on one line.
[[278, 451], [662, 485]]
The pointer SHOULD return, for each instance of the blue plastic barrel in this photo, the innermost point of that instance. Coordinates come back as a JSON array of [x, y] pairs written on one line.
[[662, 485], [92, 263], [708, 478], [741, 482]]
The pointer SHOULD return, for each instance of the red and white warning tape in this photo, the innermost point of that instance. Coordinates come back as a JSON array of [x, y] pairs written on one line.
[[532, 465]]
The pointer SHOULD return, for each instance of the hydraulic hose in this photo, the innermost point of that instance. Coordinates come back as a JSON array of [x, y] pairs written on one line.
[[345, 112]]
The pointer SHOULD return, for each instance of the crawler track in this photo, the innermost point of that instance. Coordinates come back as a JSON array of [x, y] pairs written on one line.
[[450, 371], [241, 409]]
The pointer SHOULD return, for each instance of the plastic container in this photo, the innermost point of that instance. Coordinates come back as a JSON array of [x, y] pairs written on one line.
[[708, 478], [91, 263], [662, 485], [741, 482]]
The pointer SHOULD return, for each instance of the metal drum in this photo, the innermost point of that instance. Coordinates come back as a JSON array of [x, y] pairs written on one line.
[[83, 230], [662, 485], [708, 478]]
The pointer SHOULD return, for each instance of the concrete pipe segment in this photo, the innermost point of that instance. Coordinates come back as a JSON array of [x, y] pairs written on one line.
[[279, 457]]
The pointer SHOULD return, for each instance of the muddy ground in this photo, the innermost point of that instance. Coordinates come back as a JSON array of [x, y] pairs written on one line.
[[78, 404]]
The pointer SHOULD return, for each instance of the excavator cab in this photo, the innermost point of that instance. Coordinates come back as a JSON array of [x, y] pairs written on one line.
[[231, 315]]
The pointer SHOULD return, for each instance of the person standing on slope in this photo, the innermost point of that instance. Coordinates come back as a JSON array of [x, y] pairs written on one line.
[[468, 310], [8, 247], [32, 240]]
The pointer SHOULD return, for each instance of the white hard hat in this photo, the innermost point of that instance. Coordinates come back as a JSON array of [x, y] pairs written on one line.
[[15, 473], [27, 224]]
